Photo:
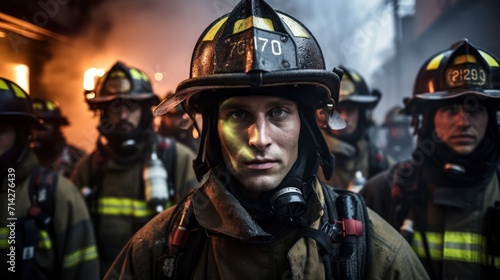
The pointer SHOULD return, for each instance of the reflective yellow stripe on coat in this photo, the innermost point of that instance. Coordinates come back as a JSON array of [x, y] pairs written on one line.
[[124, 207], [44, 241], [80, 256], [454, 246]]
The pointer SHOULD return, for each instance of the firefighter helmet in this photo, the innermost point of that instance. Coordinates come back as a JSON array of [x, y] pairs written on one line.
[[49, 111], [255, 50], [121, 82], [463, 69], [395, 117], [353, 88], [15, 104], [256, 47]]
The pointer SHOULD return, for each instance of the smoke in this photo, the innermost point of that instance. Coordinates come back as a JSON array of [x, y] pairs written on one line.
[[154, 36], [159, 36]]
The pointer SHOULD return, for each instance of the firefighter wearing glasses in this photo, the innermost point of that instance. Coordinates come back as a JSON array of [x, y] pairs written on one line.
[[357, 157]]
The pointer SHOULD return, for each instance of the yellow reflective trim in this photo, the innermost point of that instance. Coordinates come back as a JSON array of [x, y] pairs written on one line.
[[434, 63], [138, 75], [4, 234], [466, 58], [492, 62], [455, 246], [18, 91], [124, 206], [435, 245], [215, 28], [80, 256], [116, 74], [51, 106], [355, 76], [251, 21], [44, 242], [3, 84], [295, 27], [38, 106]]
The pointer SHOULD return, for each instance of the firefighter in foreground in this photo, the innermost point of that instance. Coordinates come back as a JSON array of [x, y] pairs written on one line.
[[357, 158], [446, 199], [45, 229], [262, 213], [50, 145], [134, 173]]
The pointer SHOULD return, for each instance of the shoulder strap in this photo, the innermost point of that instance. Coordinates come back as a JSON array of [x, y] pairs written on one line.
[[42, 195], [186, 239], [353, 251], [344, 235], [41, 192]]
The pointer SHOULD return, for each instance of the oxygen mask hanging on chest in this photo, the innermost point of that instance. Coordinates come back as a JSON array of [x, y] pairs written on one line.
[[155, 183]]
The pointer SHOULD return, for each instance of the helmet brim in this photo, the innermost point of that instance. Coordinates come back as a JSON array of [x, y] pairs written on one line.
[[415, 102], [326, 81], [35, 122], [101, 101]]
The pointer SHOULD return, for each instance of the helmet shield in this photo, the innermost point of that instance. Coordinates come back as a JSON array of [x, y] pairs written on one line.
[[461, 70]]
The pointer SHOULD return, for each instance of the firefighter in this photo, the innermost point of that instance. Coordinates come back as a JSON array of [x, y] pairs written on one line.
[[357, 158], [177, 124], [50, 145], [133, 173], [257, 77], [443, 199], [36, 241], [399, 139]]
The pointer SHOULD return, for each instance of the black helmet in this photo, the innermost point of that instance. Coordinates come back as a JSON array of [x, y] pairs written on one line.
[[15, 103], [255, 50], [121, 82], [461, 70], [255, 47], [49, 111], [353, 88], [395, 117]]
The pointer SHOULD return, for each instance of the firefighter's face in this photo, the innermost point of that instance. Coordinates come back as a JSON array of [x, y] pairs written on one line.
[[460, 128], [124, 115], [259, 140], [7, 137]]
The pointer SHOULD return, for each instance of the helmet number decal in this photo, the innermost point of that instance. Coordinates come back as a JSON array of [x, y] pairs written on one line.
[[256, 50], [275, 45], [465, 75]]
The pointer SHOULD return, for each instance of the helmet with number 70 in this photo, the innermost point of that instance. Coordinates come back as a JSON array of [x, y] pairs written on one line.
[[255, 50]]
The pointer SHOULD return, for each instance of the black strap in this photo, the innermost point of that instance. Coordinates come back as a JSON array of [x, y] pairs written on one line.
[[41, 192]]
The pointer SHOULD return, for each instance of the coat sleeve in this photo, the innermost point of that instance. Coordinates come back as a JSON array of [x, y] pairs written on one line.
[[391, 256], [75, 239], [139, 258]]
